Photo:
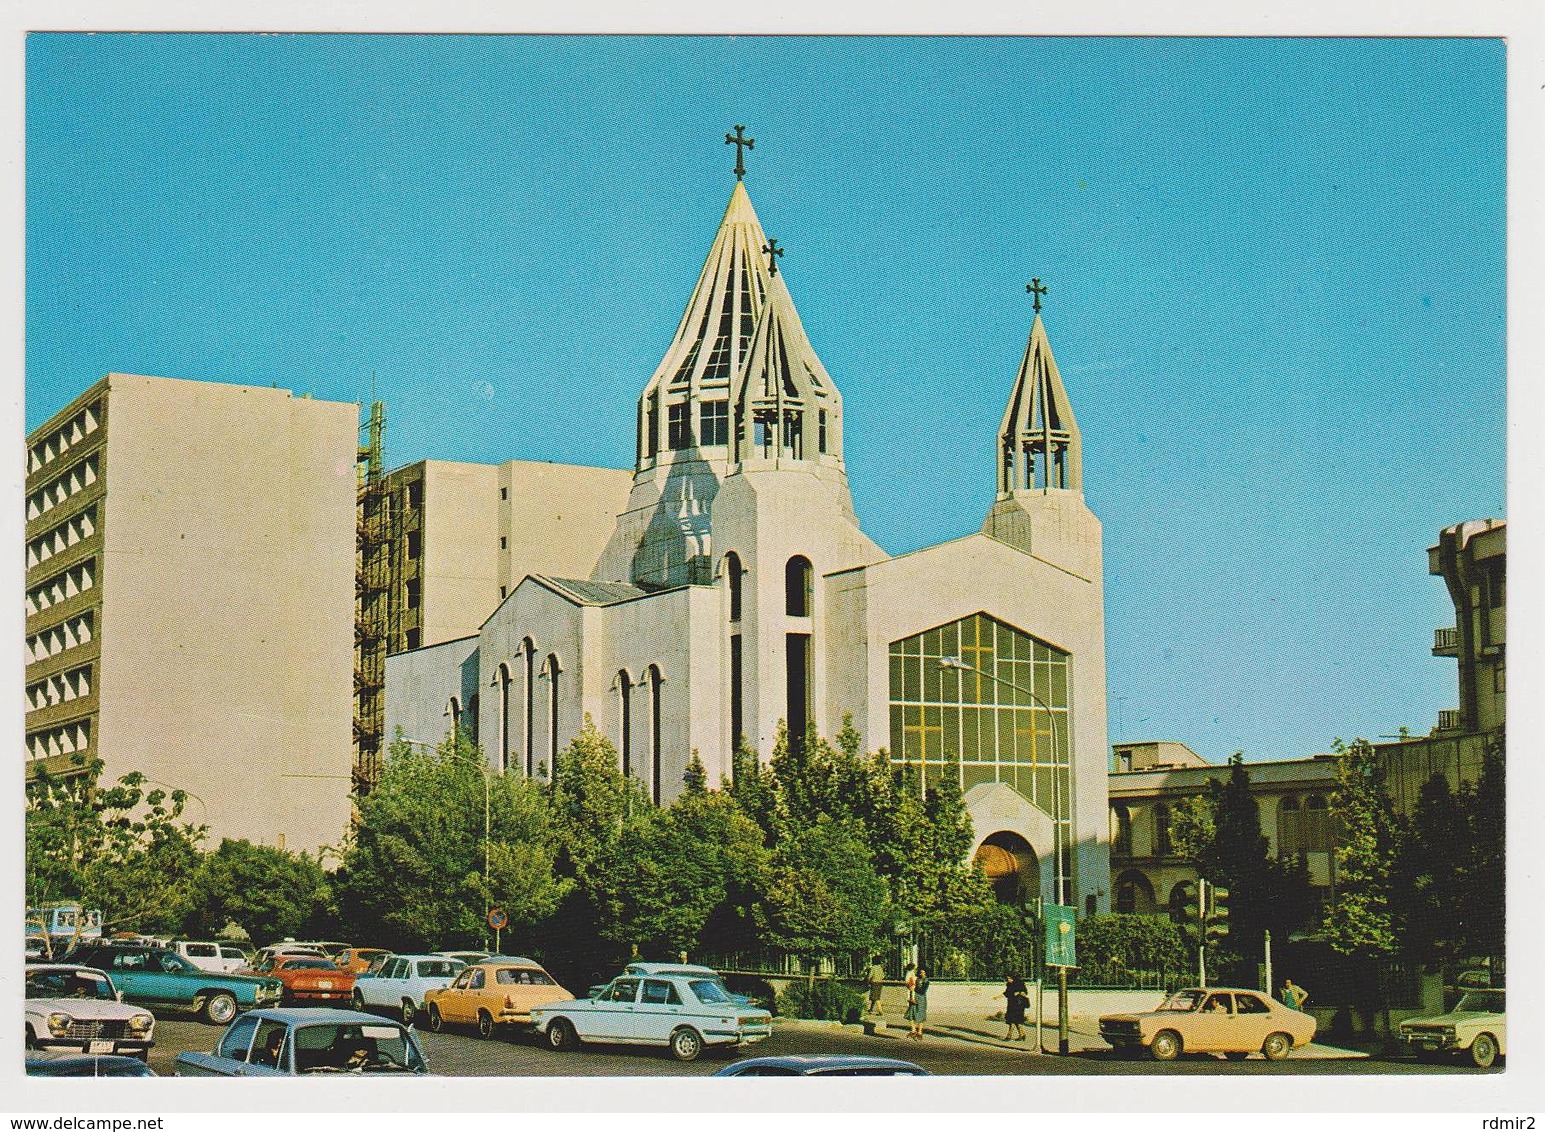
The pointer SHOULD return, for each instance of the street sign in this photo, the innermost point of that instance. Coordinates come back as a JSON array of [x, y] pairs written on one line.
[[1060, 951], [498, 920]]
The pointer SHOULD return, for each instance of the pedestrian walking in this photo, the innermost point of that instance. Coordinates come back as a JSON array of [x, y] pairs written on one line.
[[1294, 996], [876, 986], [1017, 996], [917, 1003]]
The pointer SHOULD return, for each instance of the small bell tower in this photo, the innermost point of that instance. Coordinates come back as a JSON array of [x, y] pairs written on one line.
[[1040, 506]]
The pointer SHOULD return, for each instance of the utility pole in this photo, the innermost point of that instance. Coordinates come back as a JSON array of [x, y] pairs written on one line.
[[1201, 932], [1268, 962]]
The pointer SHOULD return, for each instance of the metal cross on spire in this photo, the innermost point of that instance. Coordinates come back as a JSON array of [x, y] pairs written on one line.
[[1037, 288], [772, 251], [741, 143]]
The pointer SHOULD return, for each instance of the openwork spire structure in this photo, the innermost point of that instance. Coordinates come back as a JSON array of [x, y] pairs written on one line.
[[1039, 445], [685, 406]]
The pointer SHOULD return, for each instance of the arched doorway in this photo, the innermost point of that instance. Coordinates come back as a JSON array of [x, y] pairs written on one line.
[[1011, 867]]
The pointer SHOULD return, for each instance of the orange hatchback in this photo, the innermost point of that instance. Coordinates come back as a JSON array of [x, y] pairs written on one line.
[[308, 978], [500, 991]]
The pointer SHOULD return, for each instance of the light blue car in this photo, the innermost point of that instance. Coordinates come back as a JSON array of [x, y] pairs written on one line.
[[292, 1043], [399, 983]]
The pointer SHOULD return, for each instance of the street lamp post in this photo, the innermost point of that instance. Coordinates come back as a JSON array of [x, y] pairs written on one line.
[[483, 766], [1060, 886]]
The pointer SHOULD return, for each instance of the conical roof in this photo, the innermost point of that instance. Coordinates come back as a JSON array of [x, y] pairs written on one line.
[[1039, 440], [716, 329], [785, 383]]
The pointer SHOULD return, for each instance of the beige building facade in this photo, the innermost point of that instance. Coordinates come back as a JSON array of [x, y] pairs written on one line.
[[735, 596], [190, 599]]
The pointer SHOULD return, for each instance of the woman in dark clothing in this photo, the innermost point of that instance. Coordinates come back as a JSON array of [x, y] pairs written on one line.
[[1018, 996]]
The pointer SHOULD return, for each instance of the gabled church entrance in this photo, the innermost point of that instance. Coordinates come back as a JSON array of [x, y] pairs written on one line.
[[1011, 867]]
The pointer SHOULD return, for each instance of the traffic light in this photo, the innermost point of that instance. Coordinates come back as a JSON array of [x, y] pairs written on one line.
[[1189, 912], [1216, 922]]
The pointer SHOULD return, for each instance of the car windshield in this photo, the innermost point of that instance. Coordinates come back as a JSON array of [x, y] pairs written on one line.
[[355, 1048], [68, 984], [1186, 1000], [1484, 1001], [309, 965], [707, 990], [438, 968]]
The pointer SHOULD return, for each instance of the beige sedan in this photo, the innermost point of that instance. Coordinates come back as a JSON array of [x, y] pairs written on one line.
[[1226, 1020], [496, 992]]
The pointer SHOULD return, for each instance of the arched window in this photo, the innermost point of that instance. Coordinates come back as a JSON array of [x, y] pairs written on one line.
[[797, 586], [1133, 893], [528, 650], [503, 681], [551, 671], [1163, 846], [1316, 825], [656, 680], [1289, 828], [453, 713], [734, 572], [1121, 839], [625, 721]]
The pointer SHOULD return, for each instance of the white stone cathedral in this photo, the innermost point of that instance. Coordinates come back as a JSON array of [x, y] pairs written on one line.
[[737, 593]]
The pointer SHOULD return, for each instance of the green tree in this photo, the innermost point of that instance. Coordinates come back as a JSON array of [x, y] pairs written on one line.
[[1361, 920], [126, 849], [413, 875], [268, 892], [1483, 879], [1134, 943], [823, 896]]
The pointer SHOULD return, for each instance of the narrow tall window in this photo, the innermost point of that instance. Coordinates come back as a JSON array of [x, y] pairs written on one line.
[[528, 650], [625, 721], [678, 426], [1121, 846], [551, 669], [793, 437], [453, 713], [798, 667], [1161, 838], [652, 426], [797, 586], [734, 573], [504, 716], [820, 420], [655, 682], [737, 695]]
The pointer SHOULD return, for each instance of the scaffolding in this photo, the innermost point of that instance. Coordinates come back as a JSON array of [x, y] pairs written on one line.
[[374, 601]]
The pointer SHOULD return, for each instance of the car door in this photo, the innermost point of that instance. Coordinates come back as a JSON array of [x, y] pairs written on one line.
[[1211, 1026], [1253, 1021], [660, 1010], [459, 1002], [610, 1018], [384, 988], [133, 973]]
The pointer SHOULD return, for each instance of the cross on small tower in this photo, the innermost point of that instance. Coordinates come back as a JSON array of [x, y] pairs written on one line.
[[1037, 288], [741, 143], [772, 251]]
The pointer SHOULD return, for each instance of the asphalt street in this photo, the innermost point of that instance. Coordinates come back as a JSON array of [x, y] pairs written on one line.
[[464, 1054]]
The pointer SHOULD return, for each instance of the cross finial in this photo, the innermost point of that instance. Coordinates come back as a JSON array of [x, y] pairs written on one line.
[[741, 143], [772, 251], [1037, 288]]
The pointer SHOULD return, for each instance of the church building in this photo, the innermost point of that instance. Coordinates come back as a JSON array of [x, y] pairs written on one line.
[[737, 594]]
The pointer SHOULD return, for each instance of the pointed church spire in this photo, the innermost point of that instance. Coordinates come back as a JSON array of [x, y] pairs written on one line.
[[785, 404], [685, 405], [1039, 444]]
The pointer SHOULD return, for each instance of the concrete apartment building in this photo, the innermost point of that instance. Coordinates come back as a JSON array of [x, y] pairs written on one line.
[[190, 599]]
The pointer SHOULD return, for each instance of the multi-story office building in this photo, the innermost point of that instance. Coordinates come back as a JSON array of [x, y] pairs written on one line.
[[190, 599]]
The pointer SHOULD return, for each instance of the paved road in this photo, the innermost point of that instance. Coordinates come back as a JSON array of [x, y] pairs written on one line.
[[464, 1054]]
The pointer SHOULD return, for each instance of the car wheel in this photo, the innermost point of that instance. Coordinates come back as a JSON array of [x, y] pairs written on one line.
[[408, 1011], [686, 1044], [1277, 1046], [485, 1024], [358, 1000], [1483, 1051], [1165, 1046], [436, 1023], [561, 1035], [219, 1008]]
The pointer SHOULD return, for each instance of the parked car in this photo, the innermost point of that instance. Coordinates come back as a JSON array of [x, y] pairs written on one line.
[[467, 957], [260, 961], [691, 971], [358, 960], [822, 1065], [155, 976], [310, 979], [401, 981], [87, 1065], [496, 992], [287, 1043], [208, 955], [1476, 1027], [680, 1012], [1223, 1020], [77, 1009]]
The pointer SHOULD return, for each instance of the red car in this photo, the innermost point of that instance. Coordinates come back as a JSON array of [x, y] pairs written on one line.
[[308, 979]]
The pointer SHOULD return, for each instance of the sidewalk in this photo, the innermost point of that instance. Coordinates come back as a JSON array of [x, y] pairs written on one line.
[[1083, 1035]]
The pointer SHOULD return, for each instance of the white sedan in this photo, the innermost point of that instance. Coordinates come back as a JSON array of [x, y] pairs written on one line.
[[77, 1008], [681, 1012]]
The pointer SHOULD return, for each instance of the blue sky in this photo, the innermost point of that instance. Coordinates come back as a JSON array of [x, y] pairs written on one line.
[[1276, 271]]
